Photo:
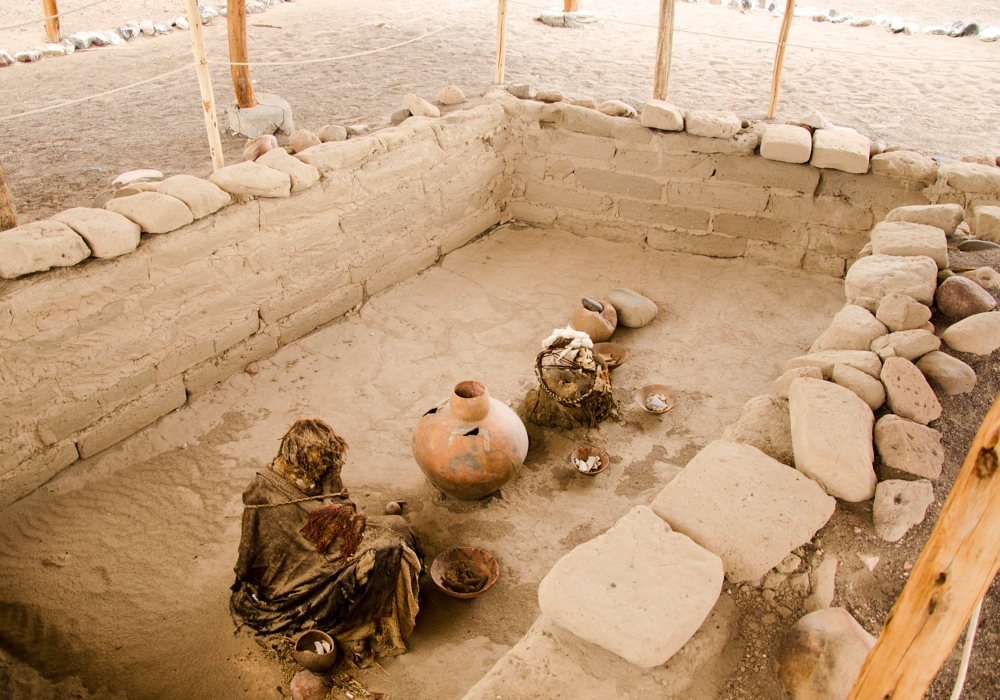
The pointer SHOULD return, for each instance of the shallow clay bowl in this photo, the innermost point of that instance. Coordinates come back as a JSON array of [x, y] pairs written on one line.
[[581, 453], [307, 658], [613, 353], [481, 560], [666, 391]]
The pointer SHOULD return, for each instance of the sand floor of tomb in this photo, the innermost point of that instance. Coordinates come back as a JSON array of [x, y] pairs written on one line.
[[119, 569]]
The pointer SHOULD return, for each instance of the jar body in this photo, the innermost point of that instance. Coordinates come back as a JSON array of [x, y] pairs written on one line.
[[470, 445]]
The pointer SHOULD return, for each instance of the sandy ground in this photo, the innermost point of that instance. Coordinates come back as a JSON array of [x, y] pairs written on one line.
[[118, 570], [944, 101]]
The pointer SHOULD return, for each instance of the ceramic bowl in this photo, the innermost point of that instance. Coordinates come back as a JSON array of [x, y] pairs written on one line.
[[666, 391], [583, 452], [481, 560], [613, 353], [305, 651]]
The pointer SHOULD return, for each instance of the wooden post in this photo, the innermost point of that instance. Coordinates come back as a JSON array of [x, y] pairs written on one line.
[[501, 41], [779, 58], [951, 575], [664, 47], [571, 5], [8, 215], [51, 14], [205, 83], [236, 19]]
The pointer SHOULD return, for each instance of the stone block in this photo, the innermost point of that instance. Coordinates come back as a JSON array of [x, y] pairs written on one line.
[[210, 372], [201, 196], [905, 165], [899, 505], [832, 438], [31, 474], [838, 242], [657, 114], [909, 447], [561, 143], [987, 223], [475, 124], [947, 374], [327, 309], [871, 192], [633, 309], [206, 332], [619, 183], [900, 312], [744, 506], [302, 175], [682, 143], [788, 257], [943, 216], [712, 124], [718, 195], [39, 246], [978, 334], [787, 143], [782, 383], [531, 213], [840, 149], [707, 244], [664, 214], [562, 197], [154, 212], [761, 228], [822, 264], [868, 389], [828, 211], [909, 345], [254, 179], [255, 121], [907, 392], [768, 173], [107, 234], [903, 238], [764, 423], [589, 121], [971, 177], [132, 417], [338, 155], [863, 360], [959, 297], [853, 328], [878, 275], [639, 590]]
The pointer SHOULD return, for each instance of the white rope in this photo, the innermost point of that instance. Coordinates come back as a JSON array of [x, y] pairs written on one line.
[[895, 57], [48, 17], [970, 636], [100, 94]]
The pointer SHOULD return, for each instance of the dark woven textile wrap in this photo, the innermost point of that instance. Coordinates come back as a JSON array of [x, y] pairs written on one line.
[[282, 581]]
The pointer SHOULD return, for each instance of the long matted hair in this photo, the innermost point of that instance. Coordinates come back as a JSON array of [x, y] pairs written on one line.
[[309, 451]]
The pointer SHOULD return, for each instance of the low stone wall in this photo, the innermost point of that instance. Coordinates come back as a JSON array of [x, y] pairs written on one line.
[[95, 352], [595, 175]]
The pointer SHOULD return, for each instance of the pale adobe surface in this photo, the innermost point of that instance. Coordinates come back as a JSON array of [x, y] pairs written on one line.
[[134, 549], [942, 108]]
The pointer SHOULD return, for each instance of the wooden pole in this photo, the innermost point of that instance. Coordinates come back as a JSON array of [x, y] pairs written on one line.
[[8, 215], [236, 21], [571, 5], [952, 574], [664, 47], [779, 58], [51, 14], [205, 83], [501, 40]]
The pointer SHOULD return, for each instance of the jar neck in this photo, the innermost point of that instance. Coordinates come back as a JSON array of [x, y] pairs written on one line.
[[470, 402]]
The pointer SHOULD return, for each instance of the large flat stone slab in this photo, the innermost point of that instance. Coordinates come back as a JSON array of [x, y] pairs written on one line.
[[864, 360], [877, 275], [106, 233], [840, 149], [909, 447], [786, 143], [746, 507], [853, 328], [832, 438], [907, 392], [39, 246], [943, 216], [639, 590], [904, 238]]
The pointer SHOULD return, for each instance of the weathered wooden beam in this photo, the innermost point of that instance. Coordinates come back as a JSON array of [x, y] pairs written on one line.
[[8, 215], [236, 23], [571, 5], [954, 571], [205, 83], [501, 41], [51, 14], [779, 58], [664, 49]]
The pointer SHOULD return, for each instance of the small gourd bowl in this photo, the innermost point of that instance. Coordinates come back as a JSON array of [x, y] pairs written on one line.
[[583, 452], [307, 658], [649, 389], [613, 353], [480, 560]]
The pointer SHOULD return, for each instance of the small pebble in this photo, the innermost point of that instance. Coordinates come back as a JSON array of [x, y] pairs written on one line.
[[252, 368], [393, 508]]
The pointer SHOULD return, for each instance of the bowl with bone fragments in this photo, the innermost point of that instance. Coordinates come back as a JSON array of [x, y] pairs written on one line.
[[315, 651], [465, 572], [589, 460], [655, 398]]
